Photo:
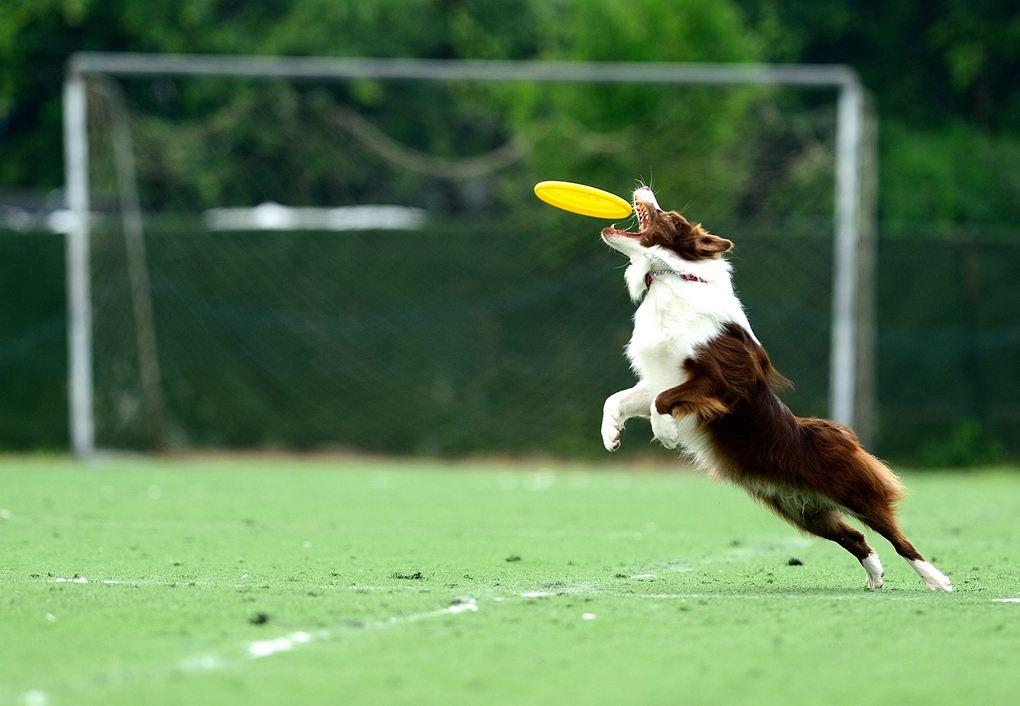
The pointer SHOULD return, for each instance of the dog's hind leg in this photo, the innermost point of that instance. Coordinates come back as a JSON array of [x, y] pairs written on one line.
[[827, 522], [882, 519], [619, 407], [872, 500]]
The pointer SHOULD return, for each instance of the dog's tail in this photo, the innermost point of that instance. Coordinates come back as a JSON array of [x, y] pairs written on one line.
[[883, 479]]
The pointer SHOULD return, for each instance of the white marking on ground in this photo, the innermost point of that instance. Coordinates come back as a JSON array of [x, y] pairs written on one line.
[[202, 663], [84, 580], [267, 648], [864, 595], [588, 616], [643, 577], [536, 594], [469, 606], [260, 649], [1006, 600], [242, 580], [5, 514], [35, 697], [539, 480]]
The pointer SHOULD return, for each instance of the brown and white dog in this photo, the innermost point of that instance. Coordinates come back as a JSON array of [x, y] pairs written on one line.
[[708, 387]]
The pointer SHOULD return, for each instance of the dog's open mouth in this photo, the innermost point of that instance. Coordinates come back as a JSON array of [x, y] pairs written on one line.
[[643, 217]]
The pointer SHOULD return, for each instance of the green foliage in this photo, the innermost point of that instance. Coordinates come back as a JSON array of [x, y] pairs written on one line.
[[950, 65], [947, 175], [927, 61], [967, 444]]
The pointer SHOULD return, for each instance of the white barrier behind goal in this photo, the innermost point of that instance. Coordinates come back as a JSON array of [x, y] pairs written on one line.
[[346, 253]]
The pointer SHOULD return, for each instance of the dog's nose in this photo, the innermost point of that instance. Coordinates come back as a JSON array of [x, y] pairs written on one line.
[[644, 195]]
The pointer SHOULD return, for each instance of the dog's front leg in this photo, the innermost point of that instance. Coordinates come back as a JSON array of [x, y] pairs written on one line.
[[620, 407], [665, 428], [696, 397]]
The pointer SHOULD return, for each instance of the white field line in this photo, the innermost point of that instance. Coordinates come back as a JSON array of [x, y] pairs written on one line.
[[595, 590], [1006, 600], [260, 649], [644, 573], [35, 697], [242, 582], [106, 582], [864, 594]]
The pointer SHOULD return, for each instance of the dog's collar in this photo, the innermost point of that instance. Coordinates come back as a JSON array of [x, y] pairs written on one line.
[[685, 276]]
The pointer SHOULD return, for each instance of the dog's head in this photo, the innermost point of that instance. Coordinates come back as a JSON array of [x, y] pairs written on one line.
[[665, 230]]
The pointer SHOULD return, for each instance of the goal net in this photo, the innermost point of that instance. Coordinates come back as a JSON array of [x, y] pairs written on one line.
[[345, 254]]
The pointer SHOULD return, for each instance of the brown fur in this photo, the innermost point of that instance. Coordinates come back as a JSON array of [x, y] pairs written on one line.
[[672, 231], [807, 470]]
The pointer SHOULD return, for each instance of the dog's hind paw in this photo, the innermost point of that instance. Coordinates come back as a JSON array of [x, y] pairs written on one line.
[[875, 571], [932, 577]]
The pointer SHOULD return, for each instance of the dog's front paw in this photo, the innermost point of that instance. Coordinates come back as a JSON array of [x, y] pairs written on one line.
[[610, 438], [610, 430], [665, 429], [612, 421]]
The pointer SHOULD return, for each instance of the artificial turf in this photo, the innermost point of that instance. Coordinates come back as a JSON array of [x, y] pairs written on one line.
[[377, 582]]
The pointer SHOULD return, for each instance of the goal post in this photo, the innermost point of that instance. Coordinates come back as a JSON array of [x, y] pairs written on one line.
[[849, 397]]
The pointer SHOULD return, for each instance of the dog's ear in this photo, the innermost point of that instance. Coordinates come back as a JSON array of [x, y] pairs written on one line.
[[710, 245], [695, 241]]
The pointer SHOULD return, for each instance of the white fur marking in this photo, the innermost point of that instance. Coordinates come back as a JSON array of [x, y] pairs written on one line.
[[675, 319], [932, 577], [873, 566], [665, 429], [617, 409]]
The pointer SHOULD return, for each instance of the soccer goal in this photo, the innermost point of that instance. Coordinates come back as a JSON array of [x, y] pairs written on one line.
[[304, 253]]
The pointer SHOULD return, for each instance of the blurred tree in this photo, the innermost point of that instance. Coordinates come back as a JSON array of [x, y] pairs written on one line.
[[946, 75], [928, 61], [944, 72]]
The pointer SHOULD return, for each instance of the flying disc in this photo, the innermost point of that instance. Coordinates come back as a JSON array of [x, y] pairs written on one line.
[[579, 198]]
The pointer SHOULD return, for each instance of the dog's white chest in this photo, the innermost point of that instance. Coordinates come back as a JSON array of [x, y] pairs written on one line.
[[670, 326], [667, 331]]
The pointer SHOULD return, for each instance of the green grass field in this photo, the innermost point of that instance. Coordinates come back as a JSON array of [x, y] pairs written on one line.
[[374, 582]]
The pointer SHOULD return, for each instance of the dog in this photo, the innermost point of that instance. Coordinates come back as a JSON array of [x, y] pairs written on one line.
[[708, 387]]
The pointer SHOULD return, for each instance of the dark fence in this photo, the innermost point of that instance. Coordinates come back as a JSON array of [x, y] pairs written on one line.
[[948, 354]]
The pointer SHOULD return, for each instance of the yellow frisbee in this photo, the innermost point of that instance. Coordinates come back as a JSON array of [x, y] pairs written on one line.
[[586, 200]]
